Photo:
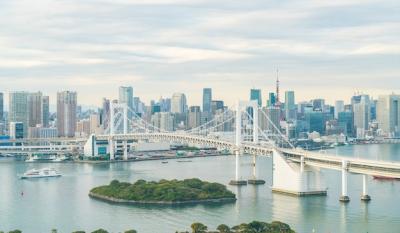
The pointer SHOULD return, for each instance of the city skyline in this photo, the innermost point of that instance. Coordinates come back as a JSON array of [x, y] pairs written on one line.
[[186, 45]]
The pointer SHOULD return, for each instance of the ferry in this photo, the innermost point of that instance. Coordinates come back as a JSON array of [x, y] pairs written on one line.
[[41, 173]]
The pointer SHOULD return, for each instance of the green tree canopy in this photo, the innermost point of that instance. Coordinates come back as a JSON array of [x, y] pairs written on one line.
[[100, 231], [198, 228], [224, 229]]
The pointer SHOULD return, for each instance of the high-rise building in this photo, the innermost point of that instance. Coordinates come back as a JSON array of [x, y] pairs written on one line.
[[45, 111], [163, 120], [290, 106], [105, 113], [318, 104], [1, 107], [362, 115], [315, 121], [35, 109], [194, 117], [388, 114], [255, 94], [18, 109], [126, 97], [346, 122], [17, 130], [271, 99], [339, 107], [207, 98], [274, 115], [178, 103], [216, 105], [66, 113]]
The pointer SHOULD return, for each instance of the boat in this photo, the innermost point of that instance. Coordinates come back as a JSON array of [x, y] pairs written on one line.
[[164, 162], [385, 178], [41, 173]]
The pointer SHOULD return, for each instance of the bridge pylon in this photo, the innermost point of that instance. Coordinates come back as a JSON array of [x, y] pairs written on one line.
[[296, 179]]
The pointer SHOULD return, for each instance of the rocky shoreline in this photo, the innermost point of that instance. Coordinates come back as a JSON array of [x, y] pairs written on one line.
[[160, 203]]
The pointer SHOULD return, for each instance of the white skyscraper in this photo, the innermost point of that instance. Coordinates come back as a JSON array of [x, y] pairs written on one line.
[[178, 103], [388, 114], [362, 115], [339, 107]]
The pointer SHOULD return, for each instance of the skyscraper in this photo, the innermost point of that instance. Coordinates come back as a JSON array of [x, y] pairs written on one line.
[[207, 98], [290, 106], [66, 113], [388, 114], [45, 111], [339, 107], [35, 112], [271, 99], [126, 97], [18, 109], [178, 103], [255, 94], [362, 115], [194, 118]]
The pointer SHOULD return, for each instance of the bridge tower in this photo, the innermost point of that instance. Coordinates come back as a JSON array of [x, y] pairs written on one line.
[[238, 142], [115, 109], [295, 178]]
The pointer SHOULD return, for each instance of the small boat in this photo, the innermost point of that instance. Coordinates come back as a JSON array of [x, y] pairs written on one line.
[[41, 173], [385, 178], [164, 162]]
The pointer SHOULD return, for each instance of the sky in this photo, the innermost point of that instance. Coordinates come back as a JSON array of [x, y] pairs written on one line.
[[328, 49]]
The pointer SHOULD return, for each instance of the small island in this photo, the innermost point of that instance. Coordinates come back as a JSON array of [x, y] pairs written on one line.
[[164, 192]]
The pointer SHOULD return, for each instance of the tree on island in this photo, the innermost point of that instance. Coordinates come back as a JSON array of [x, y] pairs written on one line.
[[100, 231], [79, 232], [15, 231], [130, 231], [198, 228], [224, 229]]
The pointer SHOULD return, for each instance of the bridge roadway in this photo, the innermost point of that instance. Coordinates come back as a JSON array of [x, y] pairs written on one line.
[[314, 159]]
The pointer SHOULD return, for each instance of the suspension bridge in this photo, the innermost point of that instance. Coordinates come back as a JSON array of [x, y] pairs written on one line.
[[295, 171]]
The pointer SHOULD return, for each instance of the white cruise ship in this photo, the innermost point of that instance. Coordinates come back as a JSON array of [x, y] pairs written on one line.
[[41, 173]]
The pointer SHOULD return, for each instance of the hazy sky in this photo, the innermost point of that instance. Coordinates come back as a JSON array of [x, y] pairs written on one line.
[[322, 48]]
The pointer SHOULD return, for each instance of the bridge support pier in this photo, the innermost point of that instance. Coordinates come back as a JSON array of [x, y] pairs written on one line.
[[254, 179], [237, 180], [290, 177], [125, 150], [112, 149], [365, 197], [344, 198]]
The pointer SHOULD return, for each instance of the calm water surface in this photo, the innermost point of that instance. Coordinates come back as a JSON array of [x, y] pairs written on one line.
[[63, 203]]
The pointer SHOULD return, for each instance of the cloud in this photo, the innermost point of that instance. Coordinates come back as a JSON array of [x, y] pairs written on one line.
[[166, 46]]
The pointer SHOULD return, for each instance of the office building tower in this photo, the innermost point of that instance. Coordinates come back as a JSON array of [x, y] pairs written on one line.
[[362, 116], [207, 98], [17, 130], [255, 94], [1, 107], [45, 111], [373, 109], [66, 113], [346, 122], [126, 97], [217, 105], [315, 121], [318, 104], [388, 114], [178, 103], [163, 120], [274, 115], [35, 112], [18, 109], [339, 107], [194, 117], [290, 106], [271, 99], [105, 113]]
